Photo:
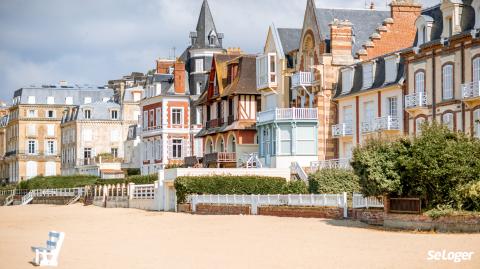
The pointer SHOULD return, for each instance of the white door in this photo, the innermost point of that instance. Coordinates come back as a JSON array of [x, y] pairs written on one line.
[[31, 169], [50, 169]]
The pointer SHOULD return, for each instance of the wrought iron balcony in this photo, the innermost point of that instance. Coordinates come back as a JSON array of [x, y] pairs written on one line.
[[342, 129], [416, 100], [302, 79], [288, 114], [471, 90], [387, 123]]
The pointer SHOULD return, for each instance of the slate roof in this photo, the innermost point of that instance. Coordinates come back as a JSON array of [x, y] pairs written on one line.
[[245, 82], [78, 93], [290, 38], [166, 82], [379, 79], [364, 23], [205, 26]]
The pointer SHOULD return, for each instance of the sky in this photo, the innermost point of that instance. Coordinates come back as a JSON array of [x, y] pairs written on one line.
[[93, 41]]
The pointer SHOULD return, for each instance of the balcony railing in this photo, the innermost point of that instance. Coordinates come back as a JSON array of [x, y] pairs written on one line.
[[387, 123], [288, 114], [220, 157], [343, 163], [342, 129], [368, 126], [151, 128], [212, 123], [414, 100], [471, 90], [101, 159], [302, 79]]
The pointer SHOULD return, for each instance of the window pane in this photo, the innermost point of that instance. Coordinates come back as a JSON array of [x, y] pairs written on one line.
[[448, 82], [420, 82]]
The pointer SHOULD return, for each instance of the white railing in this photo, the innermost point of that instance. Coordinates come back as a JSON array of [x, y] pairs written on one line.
[[288, 114], [146, 191], [471, 90], [418, 99], [302, 79], [342, 129], [343, 163], [368, 126], [387, 123], [27, 198], [65, 192], [255, 200], [298, 170], [358, 201]]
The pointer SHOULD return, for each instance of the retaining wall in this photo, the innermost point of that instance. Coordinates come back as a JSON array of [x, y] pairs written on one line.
[[464, 224]]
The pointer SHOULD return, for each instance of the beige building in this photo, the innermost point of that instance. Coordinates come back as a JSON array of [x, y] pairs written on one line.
[[3, 142], [33, 130]]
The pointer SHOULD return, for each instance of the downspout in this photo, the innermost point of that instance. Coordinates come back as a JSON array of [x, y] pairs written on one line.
[[463, 82], [434, 94]]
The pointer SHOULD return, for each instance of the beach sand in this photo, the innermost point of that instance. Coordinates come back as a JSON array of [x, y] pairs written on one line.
[[129, 238]]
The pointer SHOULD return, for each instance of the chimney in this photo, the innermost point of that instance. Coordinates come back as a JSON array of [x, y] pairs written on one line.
[[405, 11], [179, 80], [163, 66], [341, 40]]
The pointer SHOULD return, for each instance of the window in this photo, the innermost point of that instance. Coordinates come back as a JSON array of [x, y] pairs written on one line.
[[177, 116], [114, 114], [369, 111], [447, 120], [450, 26], [177, 148], [50, 100], [367, 75], [114, 152], [285, 140], [32, 147], [198, 65], [272, 68], [199, 88], [198, 115], [69, 100], [31, 100], [50, 114], [151, 118], [392, 106], [88, 100], [348, 114], [418, 125], [50, 148], [87, 153], [447, 81], [88, 114], [391, 69], [347, 77], [105, 99], [32, 113], [145, 120], [158, 116], [476, 69], [50, 130], [420, 81]]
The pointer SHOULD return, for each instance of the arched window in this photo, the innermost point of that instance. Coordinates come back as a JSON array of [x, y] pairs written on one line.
[[447, 120], [232, 144], [222, 145], [447, 81], [476, 69], [420, 81]]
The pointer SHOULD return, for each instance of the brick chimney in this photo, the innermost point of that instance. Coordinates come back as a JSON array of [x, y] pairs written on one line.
[[179, 80], [405, 11], [163, 66], [341, 41]]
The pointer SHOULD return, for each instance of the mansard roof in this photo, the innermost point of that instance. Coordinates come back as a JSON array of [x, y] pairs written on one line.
[[364, 23], [77, 92], [206, 27], [290, 38]]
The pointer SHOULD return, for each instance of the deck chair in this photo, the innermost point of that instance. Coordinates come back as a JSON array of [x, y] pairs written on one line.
[[48, 256]]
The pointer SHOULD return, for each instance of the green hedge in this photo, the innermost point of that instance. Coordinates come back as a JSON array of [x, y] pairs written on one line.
[[57, 182], [333, 181], [235, 185]]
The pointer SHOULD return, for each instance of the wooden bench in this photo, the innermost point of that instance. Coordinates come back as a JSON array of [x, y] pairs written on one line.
[[48, 256]]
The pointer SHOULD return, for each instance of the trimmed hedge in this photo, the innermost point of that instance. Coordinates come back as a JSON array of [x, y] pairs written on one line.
[[235, 185], [333, 181], [57, 182]]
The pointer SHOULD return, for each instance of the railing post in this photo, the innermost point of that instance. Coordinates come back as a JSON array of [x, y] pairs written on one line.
[[254, 204], [345, 208]]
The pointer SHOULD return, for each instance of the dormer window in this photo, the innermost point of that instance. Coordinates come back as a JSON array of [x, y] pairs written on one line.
[[114, 114], [88, 114], [347, 80], [451, 11], [391, 68], [424, 25], [449, 26], [88, 100], [31, 100], [476, 6], [367, 75], [212, 38]]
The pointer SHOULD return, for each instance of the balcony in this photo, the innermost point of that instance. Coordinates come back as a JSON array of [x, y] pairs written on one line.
[[331, 164], [471, 93], [415, 101], [219, 158], [387, 123], [212, 124], [302, 79], [288, 114], [101, 160], [342, 130], [266, 76]]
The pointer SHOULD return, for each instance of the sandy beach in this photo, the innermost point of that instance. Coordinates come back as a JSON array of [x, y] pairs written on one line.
[[129, 238]]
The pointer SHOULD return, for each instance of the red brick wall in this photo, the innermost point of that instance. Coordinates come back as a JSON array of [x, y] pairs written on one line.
[[186, 116], [302, 212], [369, 216], [179, 82], [207, 209]]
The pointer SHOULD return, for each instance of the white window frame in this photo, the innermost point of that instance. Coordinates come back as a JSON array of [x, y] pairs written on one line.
[[51, 130], [48, 116], [180, 116], [50, 100], [368, 71], [392, 103], [50, 147], [31, 100], [418, 124], [448, 120], [87, 100], [199, 65], [32, 115], [391, 68], [158, 115], [32, 147], [347, 80], [476, 68], [177, 149], [116, 117], [69, 100], [420, 81], [447, 82], [87, 114], [272, 68]]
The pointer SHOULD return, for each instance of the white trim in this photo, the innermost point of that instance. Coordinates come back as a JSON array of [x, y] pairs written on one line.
[[182, 116]]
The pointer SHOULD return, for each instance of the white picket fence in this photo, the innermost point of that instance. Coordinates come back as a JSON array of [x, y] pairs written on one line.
[[127, 195], [334, 200], [358, 201]]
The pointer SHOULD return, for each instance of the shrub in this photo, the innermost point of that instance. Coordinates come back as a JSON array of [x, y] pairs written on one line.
[[333, 181], [138, 179], [57, 182], [230, 185], [133, 171], [295, 187]]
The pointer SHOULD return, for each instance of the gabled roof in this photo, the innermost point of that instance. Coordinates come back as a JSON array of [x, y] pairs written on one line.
[[290, 38], [205, 26], [364, 23], [219, 66], [245, 82]]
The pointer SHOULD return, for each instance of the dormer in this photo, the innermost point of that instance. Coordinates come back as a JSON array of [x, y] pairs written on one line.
[[476, 6], [347, 79], [452, 14], [368, 74], [212, 38], [391, 68], [424, 25]]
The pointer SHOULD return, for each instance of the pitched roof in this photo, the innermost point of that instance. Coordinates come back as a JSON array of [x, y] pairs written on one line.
[[220, 61], [290, 38], [205, 26], [364, 23], [245, 82]]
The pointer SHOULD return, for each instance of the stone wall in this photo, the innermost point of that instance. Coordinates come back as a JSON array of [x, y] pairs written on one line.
[[369, 216], [117, 202], [208, 209], [303, 212], [465, 223], [185, 208], [54, 200]]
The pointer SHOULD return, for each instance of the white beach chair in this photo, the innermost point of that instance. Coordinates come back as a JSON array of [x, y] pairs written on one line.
[[48, 256]]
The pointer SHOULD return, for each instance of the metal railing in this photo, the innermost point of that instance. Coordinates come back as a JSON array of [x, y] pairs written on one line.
[[418, 99], [302, 79], [471, 90], [298, 170], [359, 201], [387, 123], [343, 163], [342, 129], [288, 114], [220, 157]]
